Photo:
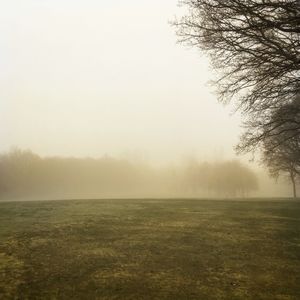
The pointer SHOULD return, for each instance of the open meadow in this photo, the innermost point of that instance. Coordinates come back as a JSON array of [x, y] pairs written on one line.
[[150, 249]]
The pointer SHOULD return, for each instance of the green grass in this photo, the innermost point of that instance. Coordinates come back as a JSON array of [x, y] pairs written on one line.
[[150, 249]]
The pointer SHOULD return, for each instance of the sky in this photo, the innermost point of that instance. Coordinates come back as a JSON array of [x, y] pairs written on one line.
[[94, 78]]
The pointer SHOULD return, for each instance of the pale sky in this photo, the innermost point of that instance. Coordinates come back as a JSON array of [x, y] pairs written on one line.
[[88, 78]]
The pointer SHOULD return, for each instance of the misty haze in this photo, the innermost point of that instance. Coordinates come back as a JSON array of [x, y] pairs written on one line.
[[150, 149]]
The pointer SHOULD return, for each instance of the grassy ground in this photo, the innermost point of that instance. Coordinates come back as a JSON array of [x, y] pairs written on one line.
[[150, 249]]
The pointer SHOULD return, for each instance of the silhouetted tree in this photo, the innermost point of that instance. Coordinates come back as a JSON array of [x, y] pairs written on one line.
[[277, 126], [255, 44], [281, 142]]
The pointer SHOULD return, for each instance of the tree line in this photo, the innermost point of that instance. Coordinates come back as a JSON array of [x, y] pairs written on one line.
[[26, 175]]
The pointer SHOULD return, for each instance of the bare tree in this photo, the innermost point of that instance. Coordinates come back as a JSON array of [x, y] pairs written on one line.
[[277, 125], [255, 44], [279, 161], [281, 142]]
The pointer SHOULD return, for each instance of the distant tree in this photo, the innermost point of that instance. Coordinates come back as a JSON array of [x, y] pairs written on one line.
[[232, 178], [193, 177], [227, 178], [255, 44]]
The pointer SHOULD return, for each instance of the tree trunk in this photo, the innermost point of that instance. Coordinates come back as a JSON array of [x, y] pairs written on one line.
[[294, 185]]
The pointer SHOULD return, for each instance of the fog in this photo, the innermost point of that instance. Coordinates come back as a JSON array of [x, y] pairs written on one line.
[[89, 78], [25, 175], [106, 80]]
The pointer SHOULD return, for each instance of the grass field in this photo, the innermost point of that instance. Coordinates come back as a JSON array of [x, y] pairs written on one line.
[[150, 249]]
